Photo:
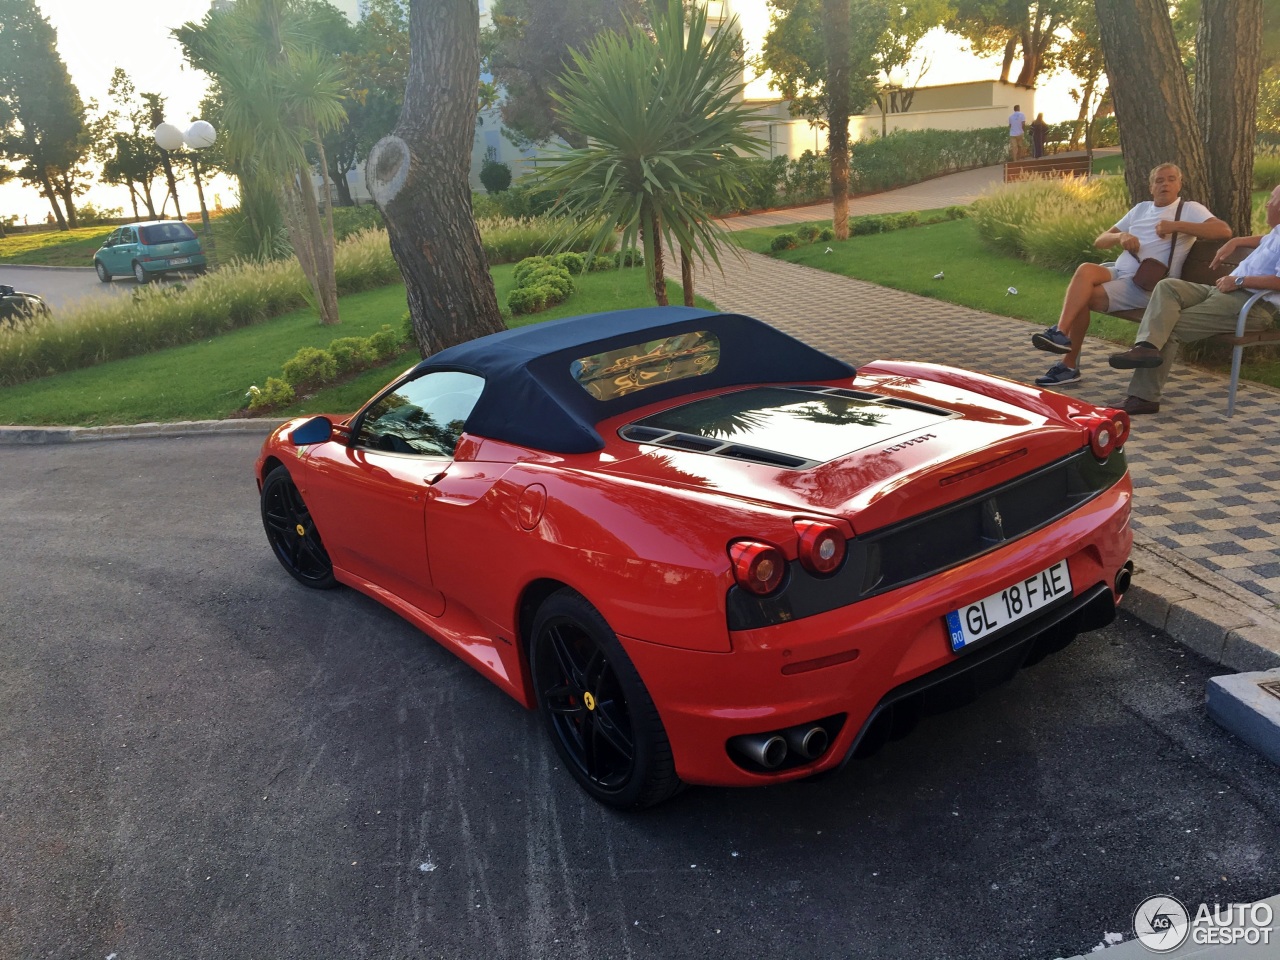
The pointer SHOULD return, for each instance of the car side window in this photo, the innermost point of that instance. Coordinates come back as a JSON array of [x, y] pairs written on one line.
[[128, 236], [425, 416], [113, 239]]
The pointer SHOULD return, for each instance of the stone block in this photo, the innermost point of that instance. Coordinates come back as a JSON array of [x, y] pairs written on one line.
[[1252, 648], [1242, 704], [1203, 626]]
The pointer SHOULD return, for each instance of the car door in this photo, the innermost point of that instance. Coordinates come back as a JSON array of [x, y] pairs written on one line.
[[108, 252], [369, 496], [122, 253]]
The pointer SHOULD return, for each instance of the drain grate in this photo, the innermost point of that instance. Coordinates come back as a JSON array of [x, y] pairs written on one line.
[[1272, 687]]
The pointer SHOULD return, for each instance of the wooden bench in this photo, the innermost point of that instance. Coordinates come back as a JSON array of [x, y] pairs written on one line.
[[1047, 167], [1196, 269]]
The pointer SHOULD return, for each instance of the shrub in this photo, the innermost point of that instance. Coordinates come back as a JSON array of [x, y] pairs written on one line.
[[862, 226], [807, 233], [524, 300], [526, 268], [631, 257], [495, 176], [274, 393], [902, 221], [575, 263], [386, 343], [598, 263], [522, 201], [808, 178], [827, 235], [540, 283], [956, 213], [351, 353], [784, 241], [310, 365], [348, 221], [761, 178]]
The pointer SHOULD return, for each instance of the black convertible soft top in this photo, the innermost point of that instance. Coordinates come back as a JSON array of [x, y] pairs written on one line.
[[532, 398]]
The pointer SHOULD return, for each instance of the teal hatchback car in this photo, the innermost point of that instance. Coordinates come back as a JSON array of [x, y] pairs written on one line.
[[149, 250]]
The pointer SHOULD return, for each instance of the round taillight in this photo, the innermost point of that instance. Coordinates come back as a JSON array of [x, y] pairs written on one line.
[[1123, 426], [822, 546], [757, 567], [1102, 438]]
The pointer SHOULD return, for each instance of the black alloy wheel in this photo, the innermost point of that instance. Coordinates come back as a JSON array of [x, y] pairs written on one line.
[[292, 533], [600, 717], [103, 273]]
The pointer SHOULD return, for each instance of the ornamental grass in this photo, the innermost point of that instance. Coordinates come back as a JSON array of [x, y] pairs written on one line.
[[1051, 222]]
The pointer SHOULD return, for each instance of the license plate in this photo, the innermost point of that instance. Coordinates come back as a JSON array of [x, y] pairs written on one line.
[[178, 261], [1015, 602]]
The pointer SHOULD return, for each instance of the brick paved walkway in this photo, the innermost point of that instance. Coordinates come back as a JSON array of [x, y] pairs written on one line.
[[1207, 487]]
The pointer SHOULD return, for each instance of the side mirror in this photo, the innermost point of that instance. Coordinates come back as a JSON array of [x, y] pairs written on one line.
[[315, 430]]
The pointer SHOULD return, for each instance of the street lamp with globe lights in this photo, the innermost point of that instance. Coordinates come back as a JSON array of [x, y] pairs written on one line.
[[199, 136]]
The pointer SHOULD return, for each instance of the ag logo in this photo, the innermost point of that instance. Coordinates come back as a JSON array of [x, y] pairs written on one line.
[[1161, 923]]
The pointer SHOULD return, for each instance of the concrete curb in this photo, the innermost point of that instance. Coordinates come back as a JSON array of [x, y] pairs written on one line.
[[14, 436], [1208, 614]]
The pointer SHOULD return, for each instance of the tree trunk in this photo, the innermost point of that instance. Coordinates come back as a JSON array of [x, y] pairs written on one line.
[[686, 276], [836, 36], [418, 179], [308, 235], [339, 178], [1086, 98], [52, 196], [133, 198], [1152, 98], [1010, 48], [651, 237], [1228, 67], [173, 183]]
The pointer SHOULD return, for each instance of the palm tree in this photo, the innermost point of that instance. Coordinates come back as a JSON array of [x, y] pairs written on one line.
[[280, 93], [665, 136]]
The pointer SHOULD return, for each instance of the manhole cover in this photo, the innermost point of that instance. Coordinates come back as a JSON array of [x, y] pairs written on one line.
[[1272, 687]]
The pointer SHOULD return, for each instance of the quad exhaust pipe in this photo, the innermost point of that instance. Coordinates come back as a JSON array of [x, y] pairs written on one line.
[[801, 743]]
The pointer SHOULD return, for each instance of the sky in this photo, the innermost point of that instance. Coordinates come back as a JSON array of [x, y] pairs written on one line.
[[93, 44]]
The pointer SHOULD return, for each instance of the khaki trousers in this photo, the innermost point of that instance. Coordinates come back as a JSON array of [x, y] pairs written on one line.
[[1183, 312]]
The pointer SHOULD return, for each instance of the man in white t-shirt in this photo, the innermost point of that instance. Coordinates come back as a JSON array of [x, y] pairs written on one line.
[[1144, 232], [1017, 120], [1183, 312]]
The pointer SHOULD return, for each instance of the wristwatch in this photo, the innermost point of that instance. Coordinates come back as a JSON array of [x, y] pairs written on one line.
[[1239, 282]]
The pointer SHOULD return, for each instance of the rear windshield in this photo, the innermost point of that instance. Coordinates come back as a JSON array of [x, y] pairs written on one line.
[[166, 233], [617, 373]]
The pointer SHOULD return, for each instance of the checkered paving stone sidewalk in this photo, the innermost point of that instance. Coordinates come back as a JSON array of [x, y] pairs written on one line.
[[1205, 486]]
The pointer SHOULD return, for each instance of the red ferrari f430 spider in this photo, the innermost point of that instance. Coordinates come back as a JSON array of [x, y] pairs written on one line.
[[705, 551]]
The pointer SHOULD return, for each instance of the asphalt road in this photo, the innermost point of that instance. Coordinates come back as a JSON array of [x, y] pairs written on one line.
[[201, 758], [62, 287]]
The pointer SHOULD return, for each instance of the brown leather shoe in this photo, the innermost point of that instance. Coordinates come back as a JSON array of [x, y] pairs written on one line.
[[1136, 406], [1139, 355]]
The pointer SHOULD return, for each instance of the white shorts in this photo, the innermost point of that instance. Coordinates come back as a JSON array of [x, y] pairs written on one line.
[[1123, 293]]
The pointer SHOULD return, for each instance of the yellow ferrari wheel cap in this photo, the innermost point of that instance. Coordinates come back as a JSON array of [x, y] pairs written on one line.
[[302, 531], [589, 700]]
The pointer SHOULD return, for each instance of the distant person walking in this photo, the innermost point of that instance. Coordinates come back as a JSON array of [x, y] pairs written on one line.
[[1039, 133], [1017, 120]]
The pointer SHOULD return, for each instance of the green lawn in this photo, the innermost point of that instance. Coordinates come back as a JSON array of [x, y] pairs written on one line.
[[974, 276], [209, 379]]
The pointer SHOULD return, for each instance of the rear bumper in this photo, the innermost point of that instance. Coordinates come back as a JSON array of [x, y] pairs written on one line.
[[886, 652], [196, 261]]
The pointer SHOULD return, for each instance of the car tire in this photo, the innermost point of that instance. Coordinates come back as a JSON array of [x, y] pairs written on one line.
[[596, 709], [103, 273], [139, 272], [292, 533]]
